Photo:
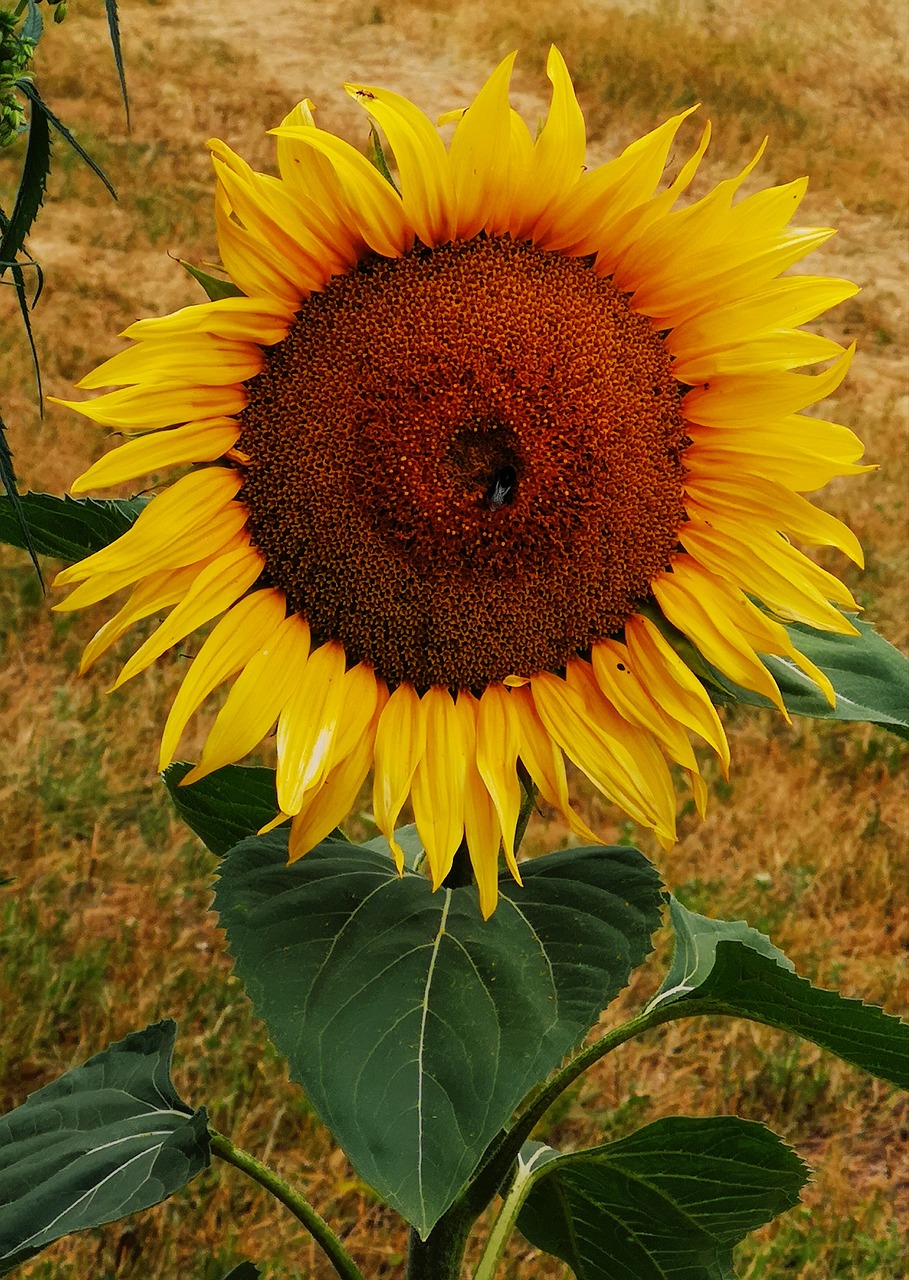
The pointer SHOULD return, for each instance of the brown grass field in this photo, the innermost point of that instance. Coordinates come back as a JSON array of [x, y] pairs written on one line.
[[106, 926]]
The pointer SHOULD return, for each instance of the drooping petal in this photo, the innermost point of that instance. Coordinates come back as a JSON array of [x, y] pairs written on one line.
[[257, 698], [156, 592], [187, 505], [308, 723], [498, 745], [673, 686], [482, 827], [234, 640], [216, 587], [400, 744], [438, 782], [325, 807], [544, 761]]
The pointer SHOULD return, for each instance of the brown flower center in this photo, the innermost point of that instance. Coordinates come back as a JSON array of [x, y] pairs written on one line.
[[465, 463]]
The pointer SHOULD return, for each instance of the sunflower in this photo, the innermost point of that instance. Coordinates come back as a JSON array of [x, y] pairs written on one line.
[[474, 457]]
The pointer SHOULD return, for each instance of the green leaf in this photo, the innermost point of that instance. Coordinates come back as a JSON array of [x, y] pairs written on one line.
[[414, 1026], [670, 1201], [68, 528], [107, 1139], [411, 846], [740, 973], [214, 286], [8, 478], [113, 28], [243, 1271], [227, 806], [39, 106], [32, 184], [870, 676]]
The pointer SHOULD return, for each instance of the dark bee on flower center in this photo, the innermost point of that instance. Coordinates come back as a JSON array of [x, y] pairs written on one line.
[[502, 486]]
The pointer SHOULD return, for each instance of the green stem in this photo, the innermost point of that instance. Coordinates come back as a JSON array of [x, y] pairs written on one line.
[[502, 1154], [321, 1232], [504, 1223], [528, 800], [440, 1256]]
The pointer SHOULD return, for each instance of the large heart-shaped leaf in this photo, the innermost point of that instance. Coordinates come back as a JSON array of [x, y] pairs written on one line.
[[226, 806], [740, 973], [230, 804], [105, 1140], [414, 1025], [68, 528], [667, 1203]]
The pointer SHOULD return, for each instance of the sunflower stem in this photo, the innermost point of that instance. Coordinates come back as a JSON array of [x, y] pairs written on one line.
[[528, 800], [440, 1256], [321, 1232]]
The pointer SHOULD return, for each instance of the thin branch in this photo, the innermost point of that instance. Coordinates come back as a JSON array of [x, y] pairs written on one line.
[[321, 1232]]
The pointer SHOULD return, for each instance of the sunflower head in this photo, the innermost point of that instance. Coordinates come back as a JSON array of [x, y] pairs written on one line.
[[469, 451]]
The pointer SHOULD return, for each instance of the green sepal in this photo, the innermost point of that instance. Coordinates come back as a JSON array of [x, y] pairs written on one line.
[[105, 1140], [669, 1202], [415, 1026], [216, 287], [740, 973]]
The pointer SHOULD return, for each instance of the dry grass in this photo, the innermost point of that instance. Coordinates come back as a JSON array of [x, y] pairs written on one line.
[[106, 926]]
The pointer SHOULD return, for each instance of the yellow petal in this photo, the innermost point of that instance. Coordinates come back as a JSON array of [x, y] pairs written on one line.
[[250, 261], [261, 320], [603, 757], [481, 155], [580, 222], [239, 635], [673, 686], [400, 744], [196, 442], [622, 686], [154, 593], [749, 399], [708, 611], [544, 761], [308, 723], [187, 505], [216, 587], [312, 180], [438, 783], [272, 222], [328, 804], [194, 358], [498, 744], [767, 566], [482, 828], [779, 349], [361, 692], [223, 532], [427, 190], [148, 408], [650, 771], [257, 698], [376, 207], [752, 499], [798, 452]]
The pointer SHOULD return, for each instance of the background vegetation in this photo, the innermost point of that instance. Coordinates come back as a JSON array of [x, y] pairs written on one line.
[[106, 926]]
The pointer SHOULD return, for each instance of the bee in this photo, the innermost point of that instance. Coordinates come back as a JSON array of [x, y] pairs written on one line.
[[501, 488]]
